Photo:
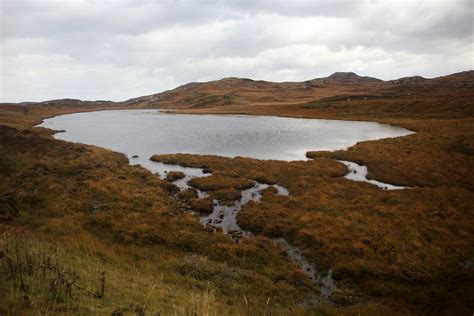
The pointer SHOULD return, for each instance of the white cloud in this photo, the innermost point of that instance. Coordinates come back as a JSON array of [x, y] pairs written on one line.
[[121, 49]]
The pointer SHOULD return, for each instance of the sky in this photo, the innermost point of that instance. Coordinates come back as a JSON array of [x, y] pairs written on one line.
[[119, 49]]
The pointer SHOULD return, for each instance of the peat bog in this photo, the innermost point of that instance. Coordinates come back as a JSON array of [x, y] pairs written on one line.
[[75, 216]]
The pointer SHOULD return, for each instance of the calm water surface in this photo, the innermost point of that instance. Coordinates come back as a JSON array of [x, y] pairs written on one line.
[[148, 132]]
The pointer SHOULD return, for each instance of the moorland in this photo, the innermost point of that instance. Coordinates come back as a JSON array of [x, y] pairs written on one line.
[[85, 232]]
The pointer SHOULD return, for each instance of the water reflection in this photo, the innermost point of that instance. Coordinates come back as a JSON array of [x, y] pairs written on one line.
[[144, 133]]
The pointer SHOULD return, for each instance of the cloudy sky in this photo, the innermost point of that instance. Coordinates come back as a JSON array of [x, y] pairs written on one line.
[[118, 49]]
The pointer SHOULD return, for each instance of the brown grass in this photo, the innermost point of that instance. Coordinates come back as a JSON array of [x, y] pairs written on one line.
[[174, 175], [93, 205], [391, 251], [395, 246]]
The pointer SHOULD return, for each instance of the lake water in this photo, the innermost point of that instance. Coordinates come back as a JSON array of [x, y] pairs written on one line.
[[148, 132]]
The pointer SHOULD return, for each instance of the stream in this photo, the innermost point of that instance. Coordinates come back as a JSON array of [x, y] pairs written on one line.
[[359, 173], [224, 216], [224, 219]]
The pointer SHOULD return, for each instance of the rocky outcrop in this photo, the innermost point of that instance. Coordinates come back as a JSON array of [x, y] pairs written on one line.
[[405, 80]]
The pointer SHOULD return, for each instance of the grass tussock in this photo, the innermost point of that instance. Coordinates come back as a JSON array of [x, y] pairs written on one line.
[[218, 181], [174, 175], [203, 206]]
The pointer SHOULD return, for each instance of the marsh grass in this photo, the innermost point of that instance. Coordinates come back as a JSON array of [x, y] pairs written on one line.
[[218, 181], [174, 175], [88, 211], [391, 253], [387, 243]]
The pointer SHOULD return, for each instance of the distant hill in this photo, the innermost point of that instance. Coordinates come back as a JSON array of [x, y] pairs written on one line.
[[351, 78], [243, 92], [404, 80]]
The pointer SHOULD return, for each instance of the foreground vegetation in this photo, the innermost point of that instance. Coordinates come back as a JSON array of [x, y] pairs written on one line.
[[74, 214], [82, 231]]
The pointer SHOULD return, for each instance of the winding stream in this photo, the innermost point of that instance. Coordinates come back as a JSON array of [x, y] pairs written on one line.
[[359, 173], [223, 217]]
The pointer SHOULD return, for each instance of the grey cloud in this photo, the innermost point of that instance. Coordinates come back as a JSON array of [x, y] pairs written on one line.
[[120, 49]]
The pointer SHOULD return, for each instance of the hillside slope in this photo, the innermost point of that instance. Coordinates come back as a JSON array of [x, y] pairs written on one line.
[[242, 94]]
